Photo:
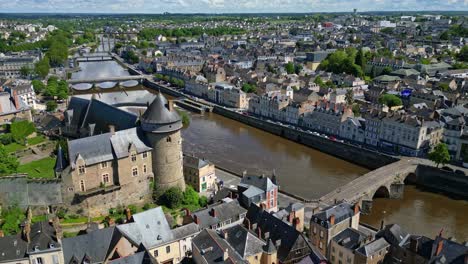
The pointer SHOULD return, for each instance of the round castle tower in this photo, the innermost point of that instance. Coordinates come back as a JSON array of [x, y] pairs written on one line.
[[162, 125]]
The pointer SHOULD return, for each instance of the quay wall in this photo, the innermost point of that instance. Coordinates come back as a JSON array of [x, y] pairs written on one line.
[[363, 157], [450, 183]]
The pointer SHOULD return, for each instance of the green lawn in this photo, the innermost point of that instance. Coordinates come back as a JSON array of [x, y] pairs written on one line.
[[43, 168], [13, 147]]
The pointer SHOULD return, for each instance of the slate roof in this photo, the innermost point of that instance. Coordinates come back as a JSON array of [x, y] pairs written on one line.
[[23, 192], [393, 234], [105, 147], [12, 248], [372, 247], [158, 112], [137, 258], [243, 241], [341, 212], [185, 231], [279, 231], [43, 237], [261, 182], [224, 211], [195, 162], [350, 238], [60, 162], [96, 245], [212, 248], [149, 228]]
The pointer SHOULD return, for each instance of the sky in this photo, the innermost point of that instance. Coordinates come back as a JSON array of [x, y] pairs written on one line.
[[226, 6]]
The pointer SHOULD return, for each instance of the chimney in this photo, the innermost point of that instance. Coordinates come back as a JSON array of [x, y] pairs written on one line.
[[414, 244], [225, 234], [291, 216], [382, 224], [356, 209], [91, 129], [187, 212], [230, 195], [259, 232], [247, 223], [296, 221], [128, 214], [332, 219], [170, 105], [16, 99], [213, 212], [244, 173], [26, 232], [440, 246], [57, 227], [196, 219], [112, 129], [226, 254]]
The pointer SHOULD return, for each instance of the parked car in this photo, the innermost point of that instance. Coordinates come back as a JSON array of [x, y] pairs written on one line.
[[332, 138]]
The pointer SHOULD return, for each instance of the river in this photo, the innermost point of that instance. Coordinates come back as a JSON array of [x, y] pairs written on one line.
[[302, 170]]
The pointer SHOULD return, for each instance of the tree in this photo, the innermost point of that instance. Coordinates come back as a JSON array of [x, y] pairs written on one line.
[[8, 163], [42, 67], [249, 88], [360, 59], [440, 154], [463, 55], [190, 196], [12, 218], [318, 80], [51, 106], [38, 86], [390, 100], [349, 96], [25, 71], [289, 67], [20, 130], [172, 198], [387, 70]]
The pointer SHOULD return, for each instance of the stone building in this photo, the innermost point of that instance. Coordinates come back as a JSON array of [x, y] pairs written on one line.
[[12, 107], [200, 174], [331, 221], [116, 168], [227, 95], [327, 117], [259, 190]]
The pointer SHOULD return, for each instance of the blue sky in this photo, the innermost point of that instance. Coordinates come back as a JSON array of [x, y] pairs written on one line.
[[225, 6]]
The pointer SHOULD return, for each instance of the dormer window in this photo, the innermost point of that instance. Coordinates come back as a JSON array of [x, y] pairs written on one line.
[[145, 155], [133, 157], [81, 169]]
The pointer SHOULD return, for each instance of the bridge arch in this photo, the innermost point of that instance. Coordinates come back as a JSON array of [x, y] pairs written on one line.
[[381, 192]]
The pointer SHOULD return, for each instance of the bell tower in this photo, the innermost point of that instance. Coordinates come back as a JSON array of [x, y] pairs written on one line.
[[161, 125]]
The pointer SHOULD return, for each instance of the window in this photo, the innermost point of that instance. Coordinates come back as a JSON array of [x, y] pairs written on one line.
[[145, 155], [155, 253], [82, 186], [55, 259], [133, 157], [144, 168], [315, 230], [81, 169], [39, 260], [135, 171], [320, 245], [104, 164], [105, 178], [168, 249], [168, 139], [321, 233]]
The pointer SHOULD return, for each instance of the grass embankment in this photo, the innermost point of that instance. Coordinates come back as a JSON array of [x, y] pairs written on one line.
[[39, 169]]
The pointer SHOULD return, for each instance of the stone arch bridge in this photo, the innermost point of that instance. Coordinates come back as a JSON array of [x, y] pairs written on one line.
[[387, 181]]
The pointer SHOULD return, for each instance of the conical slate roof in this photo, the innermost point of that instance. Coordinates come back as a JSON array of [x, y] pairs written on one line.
[[60, 162], [158, 117]]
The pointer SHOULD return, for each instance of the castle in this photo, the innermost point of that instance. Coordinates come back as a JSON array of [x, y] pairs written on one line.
[[117, 168]]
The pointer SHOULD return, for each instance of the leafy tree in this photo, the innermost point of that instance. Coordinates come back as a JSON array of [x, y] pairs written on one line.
[[445, 35], [8, 163], [172, 198], [190, 196], [318, 80], [38, 86], [297, 68], [356, 110], [349, 96], [20, 130], [12, 218], [42, 67], [360, 59], [440, 154], [342, 61], [51, 106], [25, 71], [249, 88], [387, 70], [463, 55], [390, 100], [387, 30], [289, 67]]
